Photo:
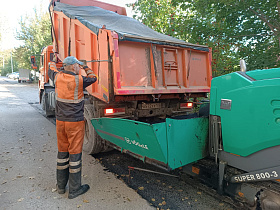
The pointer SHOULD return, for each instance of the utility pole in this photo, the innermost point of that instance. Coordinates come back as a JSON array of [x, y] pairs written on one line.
[[12, 62]]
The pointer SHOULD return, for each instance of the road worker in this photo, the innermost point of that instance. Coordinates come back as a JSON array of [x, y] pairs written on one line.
[[70, 125]]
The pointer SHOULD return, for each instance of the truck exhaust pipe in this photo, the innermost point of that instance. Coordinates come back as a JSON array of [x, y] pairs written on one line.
[[242, 65]]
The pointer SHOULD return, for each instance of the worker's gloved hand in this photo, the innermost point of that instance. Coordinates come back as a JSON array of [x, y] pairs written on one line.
[[52, 64]]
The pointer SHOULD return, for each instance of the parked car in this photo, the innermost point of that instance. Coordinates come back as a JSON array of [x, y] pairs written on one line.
[[14, 75]]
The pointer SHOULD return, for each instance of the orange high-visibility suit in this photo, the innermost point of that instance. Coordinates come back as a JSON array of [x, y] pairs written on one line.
[[70, 125]]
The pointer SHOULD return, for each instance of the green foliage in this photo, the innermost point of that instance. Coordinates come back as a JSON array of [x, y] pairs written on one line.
[[161, 16], [35, 32], [6, 55], [8, 67], [234, 29]]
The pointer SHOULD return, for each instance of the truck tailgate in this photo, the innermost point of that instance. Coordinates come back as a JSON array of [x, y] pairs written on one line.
[[158, 69]]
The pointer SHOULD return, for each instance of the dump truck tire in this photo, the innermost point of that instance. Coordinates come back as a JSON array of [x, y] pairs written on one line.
[[43, 103], [204, 110], [107, 149], [92, 141], [46, 106]]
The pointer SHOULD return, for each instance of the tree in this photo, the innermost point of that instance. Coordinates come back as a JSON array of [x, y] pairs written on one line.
[[251, 28], [8, 67], [35, 32], [6, 55], [233, 28], [161, 16]]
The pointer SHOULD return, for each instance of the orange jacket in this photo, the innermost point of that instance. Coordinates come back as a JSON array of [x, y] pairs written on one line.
[[69, 92]]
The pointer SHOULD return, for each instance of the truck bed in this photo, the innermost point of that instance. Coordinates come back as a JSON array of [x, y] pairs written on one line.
[[129, 58]]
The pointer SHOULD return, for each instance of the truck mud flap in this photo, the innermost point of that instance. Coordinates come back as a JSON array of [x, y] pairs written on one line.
[[175, 142]]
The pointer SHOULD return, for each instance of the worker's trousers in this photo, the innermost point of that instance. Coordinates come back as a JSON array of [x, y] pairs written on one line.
[[70, 137]]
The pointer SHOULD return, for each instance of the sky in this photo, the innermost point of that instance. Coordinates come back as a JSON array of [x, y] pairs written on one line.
[[12, 10]]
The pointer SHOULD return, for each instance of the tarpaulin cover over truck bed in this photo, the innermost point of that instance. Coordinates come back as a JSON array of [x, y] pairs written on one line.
[[127, 28]]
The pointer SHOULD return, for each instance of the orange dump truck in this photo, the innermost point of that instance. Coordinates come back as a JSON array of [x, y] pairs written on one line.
[[142, 75]]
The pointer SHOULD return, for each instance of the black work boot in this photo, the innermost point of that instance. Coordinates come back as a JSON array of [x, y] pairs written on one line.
[[75, 187], [83, 189], [62, 171]]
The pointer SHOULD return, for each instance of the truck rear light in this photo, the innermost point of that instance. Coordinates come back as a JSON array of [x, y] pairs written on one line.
[[187, 105], [114, 111], [109, 111]]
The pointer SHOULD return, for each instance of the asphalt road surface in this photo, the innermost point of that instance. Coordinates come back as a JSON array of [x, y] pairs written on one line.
[[28, 161]]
